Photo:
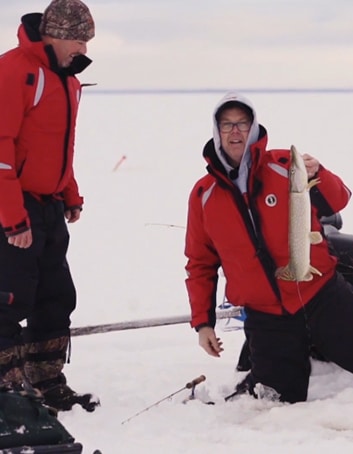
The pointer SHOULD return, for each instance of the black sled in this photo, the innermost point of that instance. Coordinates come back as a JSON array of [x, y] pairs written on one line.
[[69, 448], [27, 426]]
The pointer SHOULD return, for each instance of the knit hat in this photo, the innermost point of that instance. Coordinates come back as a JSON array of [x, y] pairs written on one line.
[[67, 19]]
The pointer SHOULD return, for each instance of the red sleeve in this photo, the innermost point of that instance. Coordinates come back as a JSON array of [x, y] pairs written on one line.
[[71, 194], [12, 100], [330, 195], [202, 265]]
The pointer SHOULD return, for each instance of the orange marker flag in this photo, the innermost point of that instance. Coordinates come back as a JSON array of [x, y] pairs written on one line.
[[118, 164]]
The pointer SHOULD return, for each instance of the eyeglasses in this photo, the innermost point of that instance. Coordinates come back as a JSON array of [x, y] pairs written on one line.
[[227, 126]]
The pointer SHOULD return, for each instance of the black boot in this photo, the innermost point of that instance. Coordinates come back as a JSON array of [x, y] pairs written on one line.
[[44, 362], [57, 394], [246, 386]]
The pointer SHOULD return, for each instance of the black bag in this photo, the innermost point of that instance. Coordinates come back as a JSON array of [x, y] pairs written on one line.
[[25, 421]]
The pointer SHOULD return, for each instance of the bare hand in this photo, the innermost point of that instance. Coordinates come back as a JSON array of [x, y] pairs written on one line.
[[73, 215], [22, 240], [311, 165], [209, 342]]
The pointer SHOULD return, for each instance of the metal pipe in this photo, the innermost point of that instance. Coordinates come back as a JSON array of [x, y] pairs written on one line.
[[146, 323]]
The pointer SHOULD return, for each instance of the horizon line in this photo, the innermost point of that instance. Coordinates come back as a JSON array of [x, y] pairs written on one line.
[[171, 91]]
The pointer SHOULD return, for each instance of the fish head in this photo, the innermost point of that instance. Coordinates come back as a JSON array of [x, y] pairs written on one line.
[[298, 175]]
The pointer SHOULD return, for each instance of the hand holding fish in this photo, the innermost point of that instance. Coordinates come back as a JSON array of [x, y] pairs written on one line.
[[311, 164]]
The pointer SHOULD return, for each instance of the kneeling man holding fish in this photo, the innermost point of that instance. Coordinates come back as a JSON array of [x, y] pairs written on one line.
[[257, 215]]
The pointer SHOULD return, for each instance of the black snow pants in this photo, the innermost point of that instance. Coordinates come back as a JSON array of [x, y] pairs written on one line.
[[280, 345], [39, 277]]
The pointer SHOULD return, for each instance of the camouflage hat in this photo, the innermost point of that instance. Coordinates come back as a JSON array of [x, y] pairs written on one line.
[[67, 19]]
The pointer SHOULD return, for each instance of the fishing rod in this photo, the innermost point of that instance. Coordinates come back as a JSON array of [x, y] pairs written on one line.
[[190, 385]]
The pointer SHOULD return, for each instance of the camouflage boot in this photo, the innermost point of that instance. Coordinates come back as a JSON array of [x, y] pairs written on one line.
[[44, 362], [11, 372]]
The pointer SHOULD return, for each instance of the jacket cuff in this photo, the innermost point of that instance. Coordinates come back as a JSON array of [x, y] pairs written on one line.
[[73, 207], [16, 229], [202, 325]]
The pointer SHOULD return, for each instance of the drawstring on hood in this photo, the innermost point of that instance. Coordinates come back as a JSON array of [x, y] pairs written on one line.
[[253, 136]]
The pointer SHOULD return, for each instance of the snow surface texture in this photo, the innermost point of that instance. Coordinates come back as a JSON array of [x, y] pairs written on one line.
[[129, 267]]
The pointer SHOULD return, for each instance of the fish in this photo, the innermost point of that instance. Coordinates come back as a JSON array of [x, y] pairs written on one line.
[[300, 236]]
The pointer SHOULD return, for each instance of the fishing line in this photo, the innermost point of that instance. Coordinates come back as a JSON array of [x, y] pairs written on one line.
[[306, 319]]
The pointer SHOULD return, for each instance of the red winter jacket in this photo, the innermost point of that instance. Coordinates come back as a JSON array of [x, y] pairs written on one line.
[[220, 233], [37, 128]]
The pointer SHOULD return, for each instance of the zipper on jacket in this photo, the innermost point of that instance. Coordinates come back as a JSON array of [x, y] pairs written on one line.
[[68, 128]]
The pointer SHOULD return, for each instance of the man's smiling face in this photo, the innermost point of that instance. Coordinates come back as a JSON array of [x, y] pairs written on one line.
[[234, 126]]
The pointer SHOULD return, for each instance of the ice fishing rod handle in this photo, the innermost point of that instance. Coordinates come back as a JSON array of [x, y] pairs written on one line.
[[195, 382]]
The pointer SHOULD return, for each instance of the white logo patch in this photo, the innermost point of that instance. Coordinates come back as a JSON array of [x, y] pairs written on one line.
[[271, 200]]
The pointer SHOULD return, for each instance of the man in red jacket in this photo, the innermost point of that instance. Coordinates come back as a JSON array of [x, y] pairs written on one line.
[[39, 93], [239, 219]]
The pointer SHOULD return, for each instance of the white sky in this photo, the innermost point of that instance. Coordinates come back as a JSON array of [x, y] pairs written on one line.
[[211, 44]]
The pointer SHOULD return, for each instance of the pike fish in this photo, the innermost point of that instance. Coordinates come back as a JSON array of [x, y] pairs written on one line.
[[300, 236]]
